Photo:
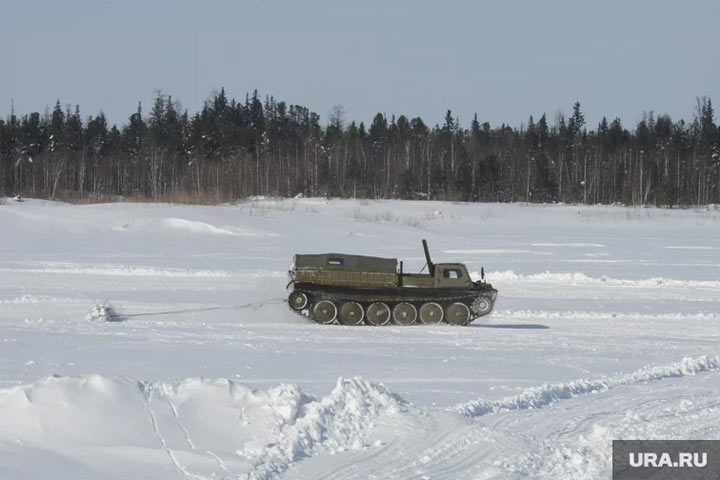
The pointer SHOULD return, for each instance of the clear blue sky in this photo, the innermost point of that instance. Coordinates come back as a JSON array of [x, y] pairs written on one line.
[[504, 59]]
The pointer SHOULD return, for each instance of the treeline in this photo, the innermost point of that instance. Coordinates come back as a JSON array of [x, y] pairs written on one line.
[[231, 150]]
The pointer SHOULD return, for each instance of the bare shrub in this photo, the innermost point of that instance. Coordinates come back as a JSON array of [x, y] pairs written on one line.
[[261, 207], [180, 196], [386, 216], [376, 217], [413, 222]]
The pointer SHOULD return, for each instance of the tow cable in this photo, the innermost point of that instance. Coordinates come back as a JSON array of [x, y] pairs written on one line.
[[106, 312]]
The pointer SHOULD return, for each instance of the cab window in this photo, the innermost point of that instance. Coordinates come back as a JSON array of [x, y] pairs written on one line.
[[452, 273]]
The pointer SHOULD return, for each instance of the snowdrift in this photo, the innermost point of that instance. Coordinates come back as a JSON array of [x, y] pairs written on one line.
[[197, 427], [550, 393]]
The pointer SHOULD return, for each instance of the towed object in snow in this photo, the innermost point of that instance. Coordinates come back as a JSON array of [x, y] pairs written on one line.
[[356, 289]]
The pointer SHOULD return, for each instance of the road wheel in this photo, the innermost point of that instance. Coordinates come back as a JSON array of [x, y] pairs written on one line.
[[457, 314], [297, 300], [482, 306], [405, 313], [378, 314], [351, 313], [325, 312], [431, 313]]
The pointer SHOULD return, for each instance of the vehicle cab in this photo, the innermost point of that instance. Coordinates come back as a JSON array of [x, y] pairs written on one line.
[[451, 275]]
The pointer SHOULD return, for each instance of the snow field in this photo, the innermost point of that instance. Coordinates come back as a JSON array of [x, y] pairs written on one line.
[[606, 327]]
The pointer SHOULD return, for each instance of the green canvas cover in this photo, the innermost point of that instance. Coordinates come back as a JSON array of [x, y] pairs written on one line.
[[346, 263]]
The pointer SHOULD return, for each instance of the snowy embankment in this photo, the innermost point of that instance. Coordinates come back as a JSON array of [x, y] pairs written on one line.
[[606, 327], [204, 427], [551, 393], [219, 428]]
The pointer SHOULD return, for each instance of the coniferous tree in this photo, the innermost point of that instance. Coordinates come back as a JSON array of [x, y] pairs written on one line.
[[232, 149]]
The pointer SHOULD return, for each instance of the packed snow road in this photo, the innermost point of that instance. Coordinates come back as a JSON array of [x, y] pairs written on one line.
[[606, 326]]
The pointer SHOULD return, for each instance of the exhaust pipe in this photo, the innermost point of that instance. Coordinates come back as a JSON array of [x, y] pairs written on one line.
[[430, 264]]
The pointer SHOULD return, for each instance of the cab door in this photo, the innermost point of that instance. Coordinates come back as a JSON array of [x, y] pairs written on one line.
[[452, 276]]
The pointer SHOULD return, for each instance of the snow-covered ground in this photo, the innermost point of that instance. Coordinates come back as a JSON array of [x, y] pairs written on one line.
[[606, 327]]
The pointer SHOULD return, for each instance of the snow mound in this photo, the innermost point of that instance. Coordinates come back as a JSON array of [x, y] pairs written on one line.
[[194, 226], [189, 226], [577, 278], [199, 427], [82, 411], [550, 393], [340, 421]]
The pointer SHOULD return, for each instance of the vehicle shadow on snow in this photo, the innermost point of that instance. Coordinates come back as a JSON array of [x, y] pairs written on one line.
[[515, 326]]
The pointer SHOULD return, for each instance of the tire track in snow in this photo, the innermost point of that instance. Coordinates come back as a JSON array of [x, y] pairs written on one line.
[[407, 454], [354, 462], [452, 445], [219, 461], [188, 438], [452, 453], [551, 393], [153, 421], [177, 422], [588, 439]]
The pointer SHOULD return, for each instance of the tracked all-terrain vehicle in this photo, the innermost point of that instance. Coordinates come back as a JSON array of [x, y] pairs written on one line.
[[357, 289]]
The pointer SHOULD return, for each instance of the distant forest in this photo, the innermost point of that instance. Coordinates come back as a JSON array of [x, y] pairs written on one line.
[[261, 146]]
